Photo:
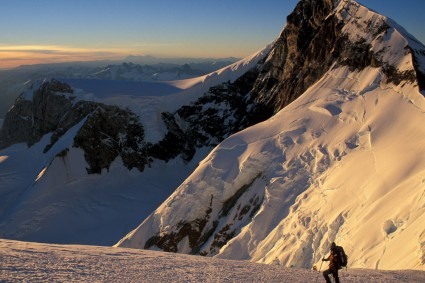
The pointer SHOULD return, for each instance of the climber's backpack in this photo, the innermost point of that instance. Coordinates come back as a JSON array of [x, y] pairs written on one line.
[[341, 257]]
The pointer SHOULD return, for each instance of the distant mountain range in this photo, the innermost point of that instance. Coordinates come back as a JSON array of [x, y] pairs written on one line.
[[133, 68], [151, 60]]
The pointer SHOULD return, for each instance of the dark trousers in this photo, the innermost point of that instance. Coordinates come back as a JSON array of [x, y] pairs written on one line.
[[334, 273]]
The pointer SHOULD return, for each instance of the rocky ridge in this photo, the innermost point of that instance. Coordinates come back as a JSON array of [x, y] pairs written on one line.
[[315, 39]]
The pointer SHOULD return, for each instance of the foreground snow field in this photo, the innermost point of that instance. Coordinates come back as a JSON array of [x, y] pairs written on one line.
[[34, 262]]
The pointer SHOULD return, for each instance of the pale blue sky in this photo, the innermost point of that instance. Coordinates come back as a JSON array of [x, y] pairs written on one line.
[[83, 29]]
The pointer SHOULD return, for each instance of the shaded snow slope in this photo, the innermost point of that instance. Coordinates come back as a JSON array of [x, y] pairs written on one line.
[[106, 88], [50, 197], [34, 262]]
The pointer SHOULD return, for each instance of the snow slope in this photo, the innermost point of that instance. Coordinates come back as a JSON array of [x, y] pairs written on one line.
[[342, 163], [229, 73], [22, 262], [49, 198], [343, 166]]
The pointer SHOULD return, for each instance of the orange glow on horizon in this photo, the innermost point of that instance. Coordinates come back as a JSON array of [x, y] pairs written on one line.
[[14, 56]]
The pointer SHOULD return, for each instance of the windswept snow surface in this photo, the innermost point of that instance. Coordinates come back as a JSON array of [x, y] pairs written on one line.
[[33, 262], [342, 163]]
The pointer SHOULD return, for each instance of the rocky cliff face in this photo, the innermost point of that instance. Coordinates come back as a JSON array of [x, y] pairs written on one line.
[[110, 132], [300, 55], [224, 110], [30, 119], [316, 39]]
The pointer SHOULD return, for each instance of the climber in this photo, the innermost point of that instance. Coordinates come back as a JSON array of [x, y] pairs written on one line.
[[333, 265]]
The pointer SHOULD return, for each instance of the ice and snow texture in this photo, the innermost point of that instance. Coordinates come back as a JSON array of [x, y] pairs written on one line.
[[343, 165], [32, 262]]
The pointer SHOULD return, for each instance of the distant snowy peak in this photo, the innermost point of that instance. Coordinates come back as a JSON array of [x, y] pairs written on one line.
[[228, 73], [158, 72]]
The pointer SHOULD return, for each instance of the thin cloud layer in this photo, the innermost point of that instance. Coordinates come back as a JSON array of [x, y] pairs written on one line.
[[13, 56], [16, 55]]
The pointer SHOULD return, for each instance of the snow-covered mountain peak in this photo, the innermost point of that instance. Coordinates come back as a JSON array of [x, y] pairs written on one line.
[[384, 35], [330, 165], [321, 35]]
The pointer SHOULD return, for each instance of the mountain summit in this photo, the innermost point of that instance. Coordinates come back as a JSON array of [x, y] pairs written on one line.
[[339, 161]]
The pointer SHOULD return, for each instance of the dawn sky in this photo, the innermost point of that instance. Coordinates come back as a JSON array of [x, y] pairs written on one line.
[[44, 31]]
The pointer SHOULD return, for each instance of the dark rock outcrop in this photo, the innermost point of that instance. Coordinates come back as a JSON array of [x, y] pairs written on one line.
[[29, 120], [300, 56], [231, 108], [110, 132], [107, 133]]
